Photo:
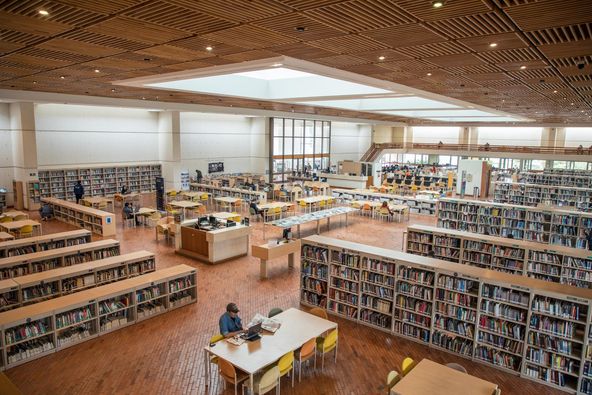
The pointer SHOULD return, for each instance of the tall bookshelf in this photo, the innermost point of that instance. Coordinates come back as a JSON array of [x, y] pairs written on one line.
[[44, 243], [97, 221], [21, 265], [98, 181], [3, 204], [557, 179], [565, 265], [33, 198], [36, 330], [535, 194], [543, 225], [535, 329]]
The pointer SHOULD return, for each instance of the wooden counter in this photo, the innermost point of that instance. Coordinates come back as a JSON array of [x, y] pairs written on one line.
[[213, 246], [265, 253]]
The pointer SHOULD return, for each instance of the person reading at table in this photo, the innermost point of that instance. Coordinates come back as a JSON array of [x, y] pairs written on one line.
[[253, 205], [385, 207], [230, 323], [128, 212]]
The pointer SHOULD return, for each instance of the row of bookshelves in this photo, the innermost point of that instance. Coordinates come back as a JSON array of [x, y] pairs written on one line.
[[44, 243], [36, 330], [36, 262], [549, 226], [96, 221], [534, 195], [580, 180], [564, 265], [36, 287], [217, 191], [514, 323]]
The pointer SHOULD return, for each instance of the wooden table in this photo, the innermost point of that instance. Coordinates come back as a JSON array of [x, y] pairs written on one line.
[[184, 204], [143, 212], [6, 236], [227, 199], [400, 209], [13, 214], [429, 377], [297, 328], [12, 227], [193, 195], [265, 253], [96, 201], [311, 217]]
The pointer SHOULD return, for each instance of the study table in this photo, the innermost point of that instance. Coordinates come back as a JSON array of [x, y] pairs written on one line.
[[297, 327], [429, 377], [12, 227], [266, 252], [13, 214], [375, 205], [317, 216], [184, 204], [6, 236], [230, 201], [96, 201]]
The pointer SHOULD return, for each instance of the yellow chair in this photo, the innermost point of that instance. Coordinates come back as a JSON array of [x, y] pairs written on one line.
[[326, 345], [236, 217], [153, 219], [286, 365], [302, 205], [305, 353], [277, 212], [384, 214], [215, 339], [171, 195], [231, 375], [407, 365], [267, 382], [171, 211], [5, 219], [103, 205], [391, 379], [322, 204], [25, 231], [20, 217]]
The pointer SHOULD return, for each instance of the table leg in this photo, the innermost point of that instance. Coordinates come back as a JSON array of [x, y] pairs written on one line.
[[263, 269], [252, 384], [207, 367], [291, 260]]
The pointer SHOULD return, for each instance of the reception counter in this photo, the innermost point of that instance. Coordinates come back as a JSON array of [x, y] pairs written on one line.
[[345, 181], [213, 246]]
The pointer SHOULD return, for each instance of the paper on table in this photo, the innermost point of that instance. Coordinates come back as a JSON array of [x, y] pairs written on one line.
[[268, 324]]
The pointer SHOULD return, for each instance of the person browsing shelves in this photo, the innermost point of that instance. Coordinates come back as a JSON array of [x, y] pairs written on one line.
[[78, 191], [230, 323]]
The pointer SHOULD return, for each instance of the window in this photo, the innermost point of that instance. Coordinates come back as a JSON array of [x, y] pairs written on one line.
[[300, 147]]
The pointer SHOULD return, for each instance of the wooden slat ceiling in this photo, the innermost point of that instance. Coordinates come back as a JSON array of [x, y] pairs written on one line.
[[132, 38]]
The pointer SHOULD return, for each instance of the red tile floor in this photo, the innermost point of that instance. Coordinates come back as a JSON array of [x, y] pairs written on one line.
[[163, 355]]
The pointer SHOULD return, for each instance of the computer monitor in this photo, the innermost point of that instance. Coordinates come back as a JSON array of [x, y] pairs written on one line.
[[253, 332], [212, 220]]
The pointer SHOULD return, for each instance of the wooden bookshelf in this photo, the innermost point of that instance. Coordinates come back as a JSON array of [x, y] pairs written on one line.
[[536, 194], [98, 181], [3, 204], [21, 265], [498, 319], [216, 191], [44, 243], [565, 265], [97, 221], [33, 331], [557, 179], [542, 225], [33, 196]]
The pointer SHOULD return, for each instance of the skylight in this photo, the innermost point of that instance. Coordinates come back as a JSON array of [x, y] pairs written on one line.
[[276, 73]]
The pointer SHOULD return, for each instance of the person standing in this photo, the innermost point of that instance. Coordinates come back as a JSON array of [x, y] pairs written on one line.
[[78, 191]]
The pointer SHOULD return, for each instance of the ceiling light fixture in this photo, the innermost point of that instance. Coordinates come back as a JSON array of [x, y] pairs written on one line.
[[522, 67], [62, 77], [554, 91], [43, 12], [437, 3], [381, 58], [429, 74], [97, 71], [34, 82], [493, 45], [277, 65], [300, 29], [209, 48]]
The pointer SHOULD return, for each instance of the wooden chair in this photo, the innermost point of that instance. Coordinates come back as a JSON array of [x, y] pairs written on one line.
[[153, 219], [230, 374], [25, 231], [213, 340], [384, 214], [367, 210], [305, 353], [290, 210], [317, 311], [326, 345]]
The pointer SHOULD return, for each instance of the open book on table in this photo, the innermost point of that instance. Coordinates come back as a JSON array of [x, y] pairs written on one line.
[[268, 324]]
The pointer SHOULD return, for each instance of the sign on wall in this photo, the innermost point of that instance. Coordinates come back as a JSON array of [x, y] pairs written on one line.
[[216, 167]]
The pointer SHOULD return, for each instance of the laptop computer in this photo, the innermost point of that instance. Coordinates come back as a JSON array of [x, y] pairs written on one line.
[[253, 333]]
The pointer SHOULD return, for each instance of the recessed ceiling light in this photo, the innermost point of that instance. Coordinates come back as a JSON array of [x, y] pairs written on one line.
[[277, 65], [143, 98], [34, 82], [429, 74], [43, 12], [381, 58], [62, 77], [300, 29], [437, 3], [97, 71], [582, 111], [112, 90], [554, 91], [209, 48], [522, 67], [571, 104], [493, 45]]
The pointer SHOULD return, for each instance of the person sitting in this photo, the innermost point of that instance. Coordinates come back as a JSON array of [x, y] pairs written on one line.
[[46, 212], [385, 207], [128, 212], [283, 189], [230, 323], [124, 190], [253, 205]]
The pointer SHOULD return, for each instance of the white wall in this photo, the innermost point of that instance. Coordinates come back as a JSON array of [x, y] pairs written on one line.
[[578, 136], [238, 141], [435, 134], [71, 135], [349, 141], [6, 157], [518, 136], [474, 170]]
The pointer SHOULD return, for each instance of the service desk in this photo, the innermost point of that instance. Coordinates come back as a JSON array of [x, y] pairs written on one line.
[[345, 181], [213, 246]]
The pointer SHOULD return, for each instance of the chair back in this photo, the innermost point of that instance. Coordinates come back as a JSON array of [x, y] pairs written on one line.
[[286, 363], [302, 203], [273, 312], [6, 219], [330, 340], [319, 312], [216, 338], [308, 348], [407, 365], [384, 211], [227, 370], [392, 378], [269, 380], [366, 207], [20, 217], [26, 229], [155, 216]]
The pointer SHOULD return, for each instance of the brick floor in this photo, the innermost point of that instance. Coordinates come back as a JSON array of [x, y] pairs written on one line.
[[163, 355]]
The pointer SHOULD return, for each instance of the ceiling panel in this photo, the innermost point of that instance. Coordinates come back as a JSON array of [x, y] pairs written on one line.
[[405, 35]]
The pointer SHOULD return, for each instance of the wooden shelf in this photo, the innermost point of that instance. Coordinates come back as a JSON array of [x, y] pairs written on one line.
[[536, 194], [555, 178], [495, 318], [43, 243], [97, 221], [21, 265], [216, 191], [55, 324]]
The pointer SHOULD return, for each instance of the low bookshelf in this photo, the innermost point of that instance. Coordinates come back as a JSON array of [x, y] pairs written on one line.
[[216, 191], [528, 327], [21, 265], [536, 194], [36, 330], [36, 287], [565, 265], [569, 180], [44, 243], [97, 221], [417, 204], [542, 225]]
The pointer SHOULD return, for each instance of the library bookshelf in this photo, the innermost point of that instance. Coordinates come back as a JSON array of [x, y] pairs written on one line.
[[44, 243], [569, 180], [417, 205], [3, 204], [97, 221], [36, 287], [21, 265], [532, 328], [33, 196], [98, 181], [542, 225], [535, 194], [36, 330], [565, 265], [216, 191]]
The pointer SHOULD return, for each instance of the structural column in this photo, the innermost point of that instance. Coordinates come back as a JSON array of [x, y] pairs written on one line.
[[169, 148]]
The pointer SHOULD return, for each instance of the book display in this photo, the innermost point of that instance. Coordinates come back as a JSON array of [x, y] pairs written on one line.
[[571, 266], [535, 194], [97, 221], [536, 329], [39, 329], [97, 181], [36, 262], [43, 243], [542, 225]]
